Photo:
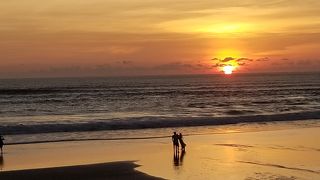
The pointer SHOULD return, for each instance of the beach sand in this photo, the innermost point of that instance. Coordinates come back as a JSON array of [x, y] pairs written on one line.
[[272, 154]]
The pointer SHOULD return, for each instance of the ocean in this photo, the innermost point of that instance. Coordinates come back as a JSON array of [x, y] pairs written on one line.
[[72, 109]]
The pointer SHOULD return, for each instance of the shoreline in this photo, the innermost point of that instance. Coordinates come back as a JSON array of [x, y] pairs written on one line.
[[162, 133]]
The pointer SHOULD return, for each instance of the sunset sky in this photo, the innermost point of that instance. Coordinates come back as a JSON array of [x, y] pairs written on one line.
[[150, 37]]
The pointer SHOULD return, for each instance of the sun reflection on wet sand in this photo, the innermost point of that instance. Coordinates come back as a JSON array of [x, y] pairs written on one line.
[[280, 153]]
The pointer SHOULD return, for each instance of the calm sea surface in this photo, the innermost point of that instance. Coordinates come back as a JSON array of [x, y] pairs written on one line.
[[65, 108]]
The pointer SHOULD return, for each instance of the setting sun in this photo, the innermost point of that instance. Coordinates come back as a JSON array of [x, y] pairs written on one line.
[[228, 69]]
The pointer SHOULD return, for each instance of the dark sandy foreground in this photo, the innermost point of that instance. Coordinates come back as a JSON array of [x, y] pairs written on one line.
[[113, 170]]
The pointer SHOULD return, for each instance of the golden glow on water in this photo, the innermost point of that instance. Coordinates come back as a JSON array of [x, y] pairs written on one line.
[[231, 131], [216, 156]]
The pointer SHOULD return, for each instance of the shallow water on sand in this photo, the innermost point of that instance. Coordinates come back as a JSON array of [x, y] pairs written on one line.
[[275, 154]]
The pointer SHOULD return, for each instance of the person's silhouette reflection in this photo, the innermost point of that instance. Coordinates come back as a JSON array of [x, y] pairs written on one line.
[[1, 162], [178, 158], [181, 157]]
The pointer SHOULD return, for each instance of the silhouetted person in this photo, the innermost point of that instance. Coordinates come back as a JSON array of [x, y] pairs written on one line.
[[183, 145], [1, 143], [175, 141]]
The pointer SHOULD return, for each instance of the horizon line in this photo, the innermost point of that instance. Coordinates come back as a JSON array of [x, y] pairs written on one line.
[[157, 75]]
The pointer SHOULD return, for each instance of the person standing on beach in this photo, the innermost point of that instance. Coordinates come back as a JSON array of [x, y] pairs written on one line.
[[175, 141], [1, 143], [183, 145]]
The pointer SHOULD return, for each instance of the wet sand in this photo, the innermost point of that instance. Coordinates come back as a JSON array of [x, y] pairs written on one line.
[[278, 154]]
